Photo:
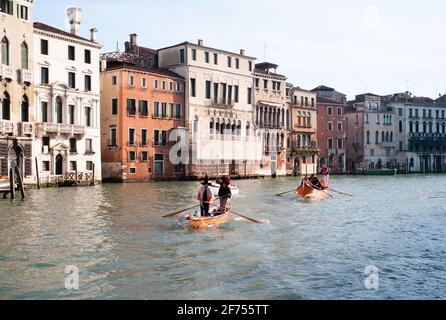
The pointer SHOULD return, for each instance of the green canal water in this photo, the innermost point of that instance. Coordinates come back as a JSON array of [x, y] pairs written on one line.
[[114, 235]]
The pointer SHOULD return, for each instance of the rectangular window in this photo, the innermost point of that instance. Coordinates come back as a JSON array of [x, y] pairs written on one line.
[[164, 138], [131, 107], [73, 165], [215, 58], [71, 53], [144, 83], [87, 83], [229, 62], [340, 144], [159, 163], [155, 84], [265, 84], [87, 56], [131, 81], [250, 65], [339, 112], [132, 170], [330, 143], [330, 126], [114, 80], [44, 75], [143, 137], [172, 111], [178, 111], [45, 166], [132, 156], [237, 63], [164, 110], [215, 92], [249, 95], [208, 89], [182, 58], [71, 109], [131, 137], [24, 12], [192, 87], [156, 109], [170, 86], [400, 112], [206, 57], [44, 47], [163, 85], [156, 137], [144, 156], [114, 107], [194, 54], [44, 106], [178, 87], [339, 126], [73, 145], [236, 94], [88, 146], [143, 108], [257, 83], [72, 80], [113, 141], [88, 116]]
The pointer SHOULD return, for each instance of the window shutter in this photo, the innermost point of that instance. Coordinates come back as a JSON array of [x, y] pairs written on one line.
[[28, 167], [3, 150], [28, 151], [3, 167]]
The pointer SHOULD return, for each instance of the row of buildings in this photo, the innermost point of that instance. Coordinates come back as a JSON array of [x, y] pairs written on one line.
[[68, 112]]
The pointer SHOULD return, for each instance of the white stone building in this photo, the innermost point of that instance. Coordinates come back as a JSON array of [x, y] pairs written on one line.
[[67, 101], [219, 107]]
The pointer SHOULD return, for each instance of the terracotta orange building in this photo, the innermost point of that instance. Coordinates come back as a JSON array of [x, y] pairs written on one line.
[[140, 106]]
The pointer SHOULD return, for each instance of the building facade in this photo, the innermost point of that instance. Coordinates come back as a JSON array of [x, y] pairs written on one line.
[[219, 103], [141, 106], [331, 129], [303, 151], [420, 134], [17, 116], [371, 140], [67, 102], [272, 118]]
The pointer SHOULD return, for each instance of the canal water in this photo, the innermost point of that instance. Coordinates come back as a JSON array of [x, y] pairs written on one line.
[[114, 235]]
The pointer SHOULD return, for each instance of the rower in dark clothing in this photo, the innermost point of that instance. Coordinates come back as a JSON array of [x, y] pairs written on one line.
[[224, 193], [315, 182]]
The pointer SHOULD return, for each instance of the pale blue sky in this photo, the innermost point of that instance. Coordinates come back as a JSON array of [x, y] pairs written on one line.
[[353, 45]]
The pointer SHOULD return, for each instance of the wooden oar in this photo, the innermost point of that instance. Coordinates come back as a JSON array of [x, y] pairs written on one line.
[[240, 215], [178, 212], [314, 188], [343, 193], [280, 194]]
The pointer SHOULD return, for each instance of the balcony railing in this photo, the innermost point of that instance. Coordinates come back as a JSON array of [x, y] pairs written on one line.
[[6, 127], [26, 128], [60, 128], [389, 144], [26, 76], [7, 72], [223, 103]]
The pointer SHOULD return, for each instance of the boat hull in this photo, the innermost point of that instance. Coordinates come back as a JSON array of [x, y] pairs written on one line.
[[307, 193], [209, 221]]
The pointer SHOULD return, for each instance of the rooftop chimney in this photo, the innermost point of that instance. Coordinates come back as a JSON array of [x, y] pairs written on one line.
[[133, 39], [200, 42], [74, 18], [93, 33], [242, 52]]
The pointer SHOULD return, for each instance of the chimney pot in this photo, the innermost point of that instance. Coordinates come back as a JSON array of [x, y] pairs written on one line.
[[93, 33], [242, 52], [133, 39], [200, 42], [74, 18]]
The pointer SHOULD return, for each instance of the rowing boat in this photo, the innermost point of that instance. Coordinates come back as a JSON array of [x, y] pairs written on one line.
[[199, 222], [307, 192], [235, 190]]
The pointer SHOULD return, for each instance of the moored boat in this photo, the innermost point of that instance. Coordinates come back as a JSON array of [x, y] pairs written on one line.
[[199, 222]]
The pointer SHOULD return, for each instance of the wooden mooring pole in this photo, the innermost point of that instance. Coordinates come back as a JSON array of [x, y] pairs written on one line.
[[37, 173], [11, 183], [94, 167], [20, 181]]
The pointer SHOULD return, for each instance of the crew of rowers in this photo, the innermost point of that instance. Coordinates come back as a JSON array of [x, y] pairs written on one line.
[[206, 197], [315, 183]]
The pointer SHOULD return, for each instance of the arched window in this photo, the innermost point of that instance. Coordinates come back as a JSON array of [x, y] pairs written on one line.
[[368, 137], [376, 137], [430, 127], [25, 109], [424, 127], [248, 129], [443, 128], [5, 51], [59, 110], [288, 119], [383, 137], [391, 136], [401, 126], [411, 127], [6, 107], [387, 137], [438, 127], [211, 127], [24, 55]]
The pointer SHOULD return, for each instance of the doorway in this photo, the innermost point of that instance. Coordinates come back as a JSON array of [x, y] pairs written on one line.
[[59, 165]]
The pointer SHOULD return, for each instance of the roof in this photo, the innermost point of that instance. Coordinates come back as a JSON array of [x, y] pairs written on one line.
[[186, 43], [269, 73], [45, 27], [328, 101], [323, 88], [266, 65], [116, 65]]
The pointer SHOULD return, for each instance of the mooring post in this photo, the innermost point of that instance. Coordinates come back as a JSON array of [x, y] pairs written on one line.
[[11, 183], [20, 181], [94, 167], [37, 173]]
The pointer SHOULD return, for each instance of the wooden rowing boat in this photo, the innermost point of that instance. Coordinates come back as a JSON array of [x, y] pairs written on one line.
[[306, 192], [199, 222]]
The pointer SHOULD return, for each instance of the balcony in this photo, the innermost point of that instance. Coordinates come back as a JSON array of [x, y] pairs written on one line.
[[389, 145], [25, 128], [6, 127], [60, 128], [223, 103], [7, 72], [26, 76]]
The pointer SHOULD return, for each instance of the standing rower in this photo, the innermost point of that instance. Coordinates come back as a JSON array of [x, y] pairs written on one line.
[[205, 196], [225, 194], [325, 172]]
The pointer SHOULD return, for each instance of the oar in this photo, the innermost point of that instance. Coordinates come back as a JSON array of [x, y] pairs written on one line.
[[196, 206], [343, 193], [314, 188], [240, 215], [280, 194]]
